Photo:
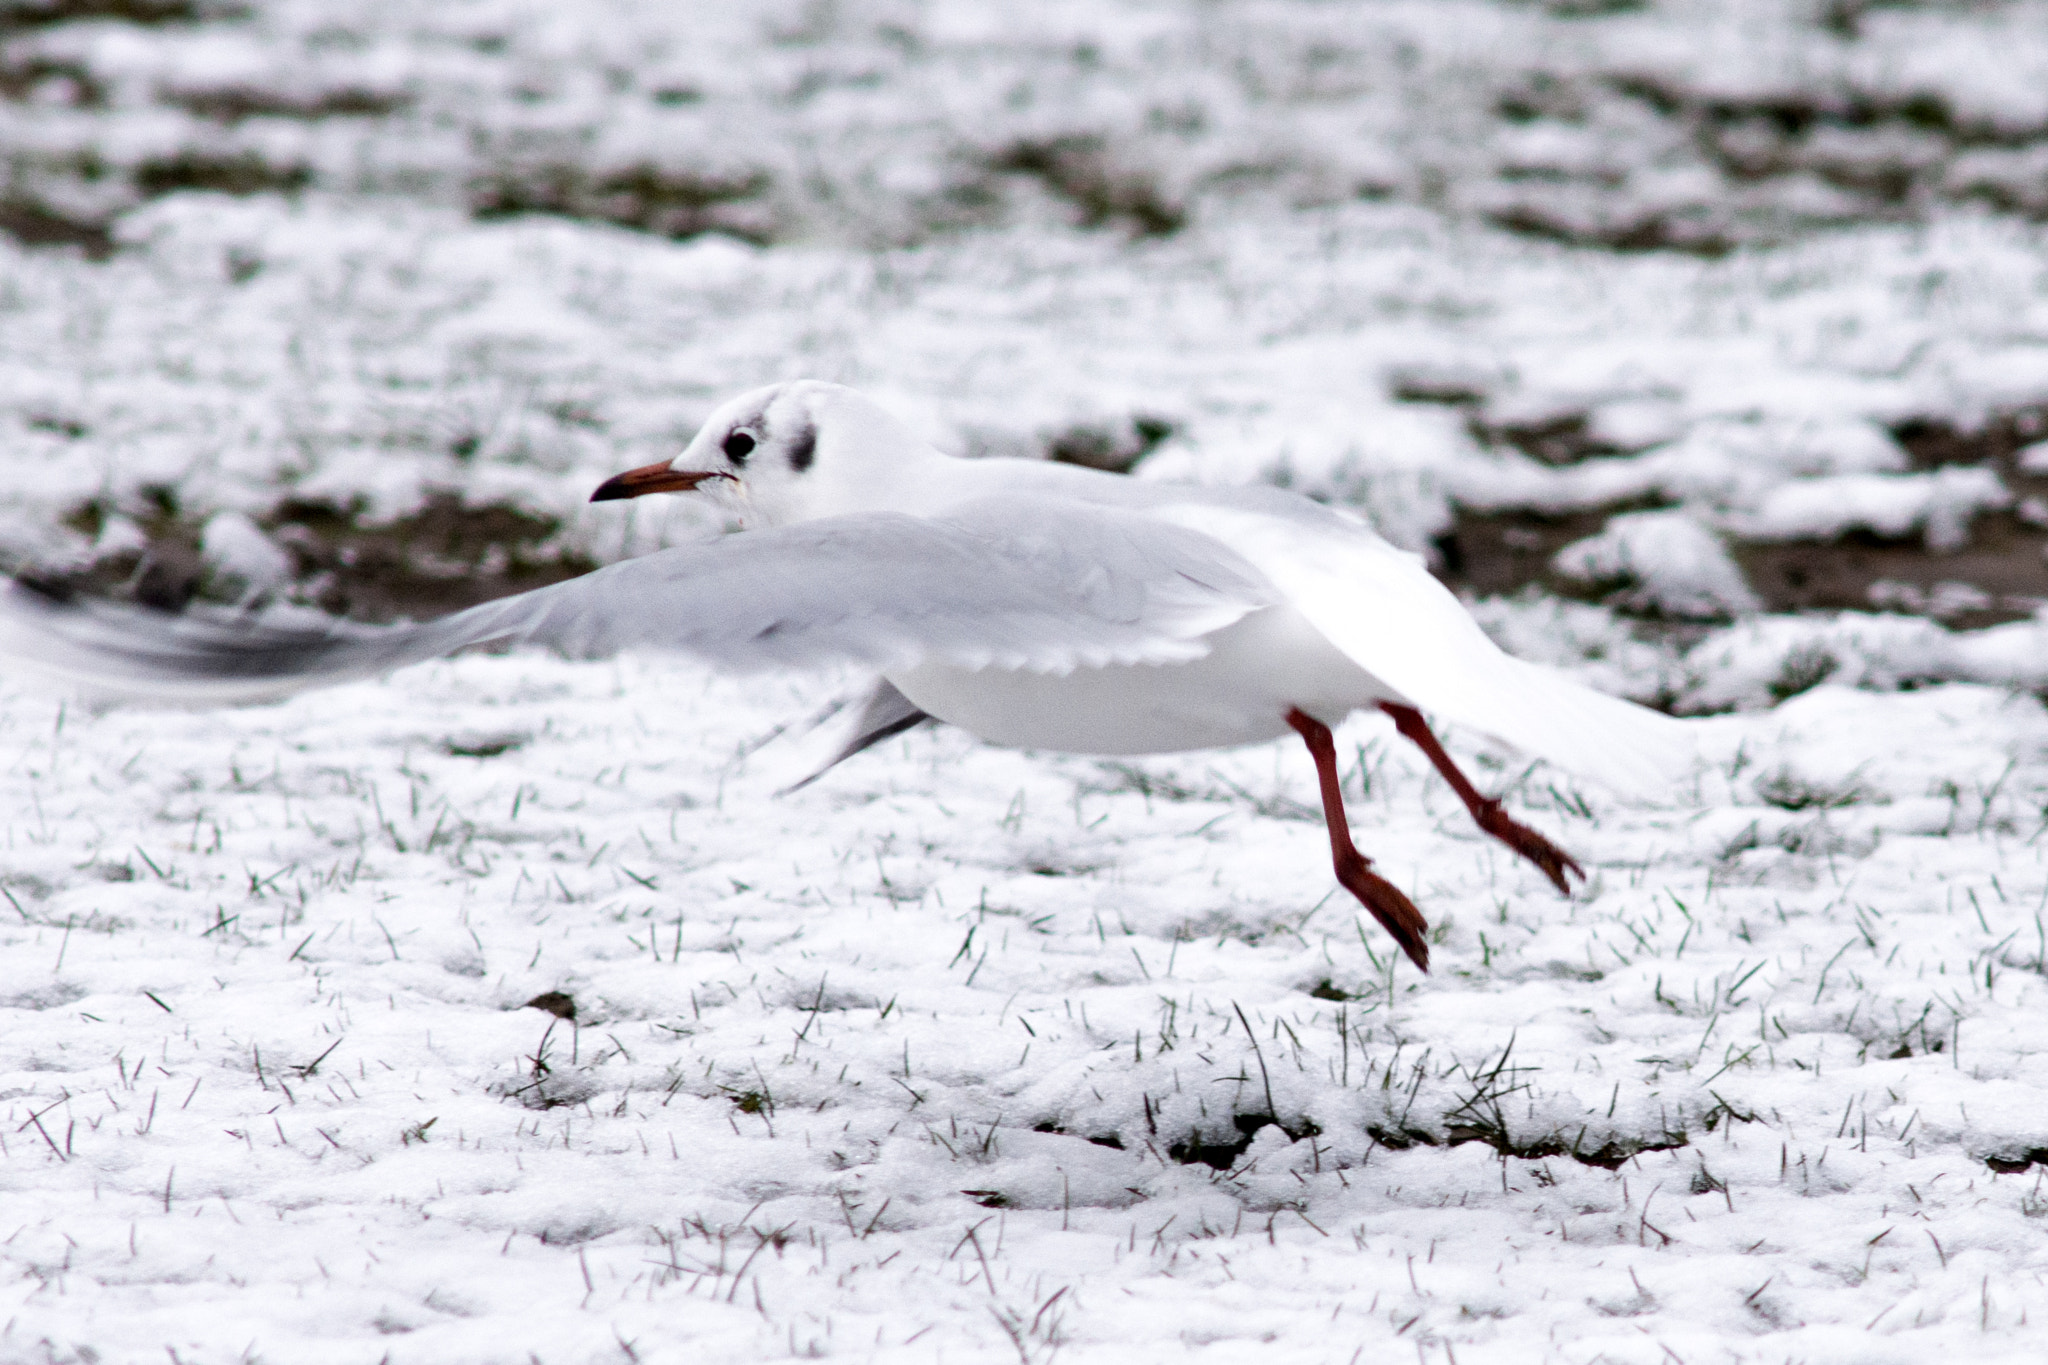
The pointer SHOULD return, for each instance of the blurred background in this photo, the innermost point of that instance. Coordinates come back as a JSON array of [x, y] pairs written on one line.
[[1704, 344]]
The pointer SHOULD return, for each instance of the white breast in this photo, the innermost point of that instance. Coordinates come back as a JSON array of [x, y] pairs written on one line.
[[1239, 693]]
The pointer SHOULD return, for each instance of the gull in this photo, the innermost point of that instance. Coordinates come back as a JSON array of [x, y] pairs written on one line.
[[1033, 604]]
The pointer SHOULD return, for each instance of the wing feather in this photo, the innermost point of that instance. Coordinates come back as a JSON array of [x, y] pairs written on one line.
[[1010, 582], [1383, 608]]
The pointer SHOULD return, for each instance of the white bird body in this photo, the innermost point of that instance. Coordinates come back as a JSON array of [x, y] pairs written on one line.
[[1036, 605], [1356, 622], [1239, 692]]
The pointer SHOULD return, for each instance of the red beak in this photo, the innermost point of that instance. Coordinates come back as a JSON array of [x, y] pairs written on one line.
[[652, 478]]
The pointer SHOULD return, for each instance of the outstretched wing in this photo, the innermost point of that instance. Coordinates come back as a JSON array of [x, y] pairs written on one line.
[[1009, 582], [1383, 608]]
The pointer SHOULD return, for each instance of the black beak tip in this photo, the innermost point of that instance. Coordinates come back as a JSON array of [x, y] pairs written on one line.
[[611, 490]]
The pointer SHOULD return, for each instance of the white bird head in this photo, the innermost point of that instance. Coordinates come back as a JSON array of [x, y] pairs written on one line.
[[786, 453]]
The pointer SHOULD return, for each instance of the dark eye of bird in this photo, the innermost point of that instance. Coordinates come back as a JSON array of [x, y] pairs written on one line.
[[738, 446]]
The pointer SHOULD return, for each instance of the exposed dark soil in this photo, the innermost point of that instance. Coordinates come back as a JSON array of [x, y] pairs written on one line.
[[1608, 1156], [34, 224], [666, 201], [1649, 232], [2000, 575], [442, 558], [54, 80], [235, 103], [1497, 552], [31, 14], [1116, 449], [2003, 565], [1557, 441], [1078, 170], [1932, 443], [243, 173], [1220, 1153], [2014, 1163]]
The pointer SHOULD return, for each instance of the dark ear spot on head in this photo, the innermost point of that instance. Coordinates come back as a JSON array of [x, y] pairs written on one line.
[[804, 449]]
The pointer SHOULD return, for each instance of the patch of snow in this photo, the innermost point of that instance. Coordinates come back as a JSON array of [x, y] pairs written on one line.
[[1638, 423], [845, 1063], [236, 547], [1755, 663], [1669, 563], [1941, 601], [1939, 505]]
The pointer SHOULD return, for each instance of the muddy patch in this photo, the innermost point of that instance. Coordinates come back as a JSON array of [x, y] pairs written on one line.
[[441, 558], [2000, 574], [23, 15], [232, 104], [668, 202], [36, 224], [1114, 447], [1495, 552], [1080, 172]]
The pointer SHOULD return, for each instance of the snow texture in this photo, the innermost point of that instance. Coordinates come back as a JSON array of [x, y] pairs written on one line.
[[273, 1088], [964, 1054], [1939, 505], [1669, 563]]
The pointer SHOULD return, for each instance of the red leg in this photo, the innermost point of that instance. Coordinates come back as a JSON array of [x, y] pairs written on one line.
[[1487, 811], [1395, 912]]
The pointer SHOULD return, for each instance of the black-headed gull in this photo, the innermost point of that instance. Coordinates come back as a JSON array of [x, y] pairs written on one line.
[[1033, 604]]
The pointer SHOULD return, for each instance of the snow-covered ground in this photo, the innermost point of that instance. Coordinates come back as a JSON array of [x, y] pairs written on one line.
[[963, 1054]]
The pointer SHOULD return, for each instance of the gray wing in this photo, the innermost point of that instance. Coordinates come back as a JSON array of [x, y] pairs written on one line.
[[1010, 582]]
